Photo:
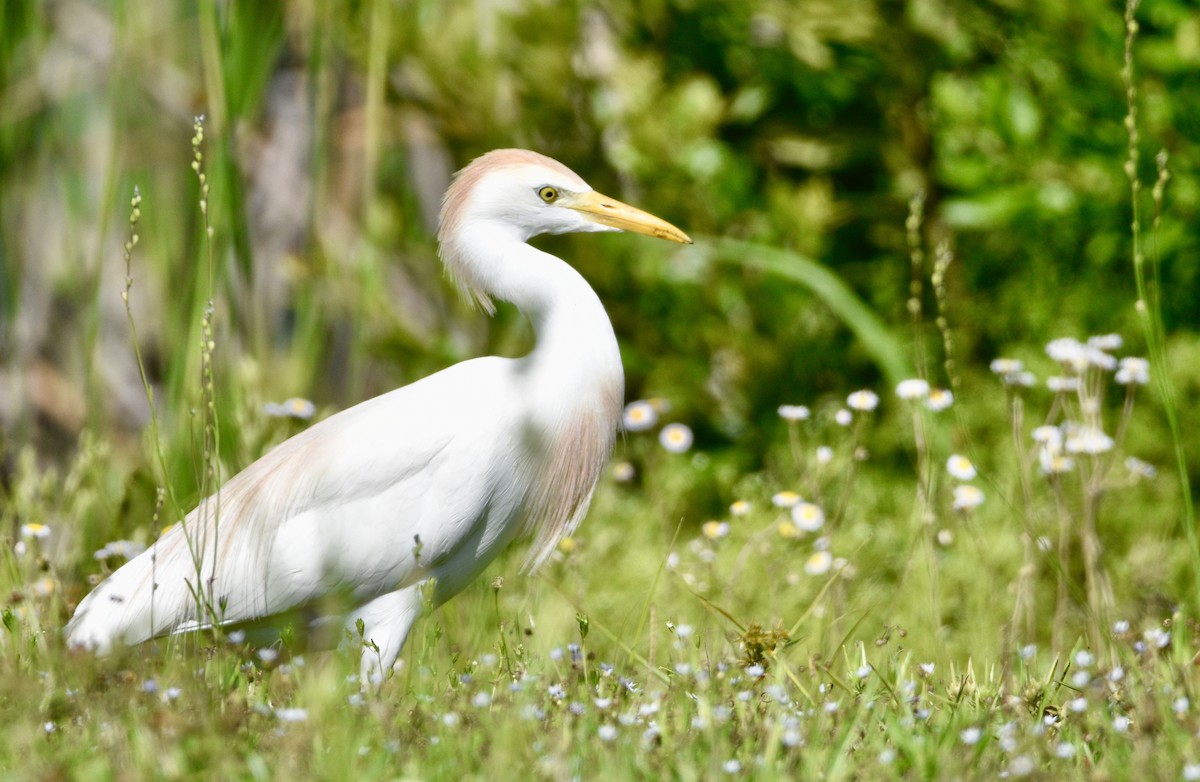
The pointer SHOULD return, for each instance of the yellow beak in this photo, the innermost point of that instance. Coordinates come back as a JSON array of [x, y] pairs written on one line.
[[609, 211]]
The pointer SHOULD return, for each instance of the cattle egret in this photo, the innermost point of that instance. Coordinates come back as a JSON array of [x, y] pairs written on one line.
[[425, 484]]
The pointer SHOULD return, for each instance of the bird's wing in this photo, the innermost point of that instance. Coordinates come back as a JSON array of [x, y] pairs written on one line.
[[359, 504]]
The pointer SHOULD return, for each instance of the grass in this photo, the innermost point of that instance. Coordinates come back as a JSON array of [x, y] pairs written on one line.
[[957, 599]]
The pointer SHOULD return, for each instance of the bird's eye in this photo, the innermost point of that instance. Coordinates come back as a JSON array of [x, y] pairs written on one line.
[[548, 194]]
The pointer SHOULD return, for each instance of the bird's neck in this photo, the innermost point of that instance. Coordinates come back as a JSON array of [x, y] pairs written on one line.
[[571, 325], [575, 341]]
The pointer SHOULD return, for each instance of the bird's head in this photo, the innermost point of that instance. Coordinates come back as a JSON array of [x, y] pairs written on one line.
[[523, 194]]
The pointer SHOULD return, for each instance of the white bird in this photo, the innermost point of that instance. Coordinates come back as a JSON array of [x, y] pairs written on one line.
[[430, 481]]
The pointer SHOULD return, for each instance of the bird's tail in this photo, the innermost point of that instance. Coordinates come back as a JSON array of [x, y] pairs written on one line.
[[132, 605]]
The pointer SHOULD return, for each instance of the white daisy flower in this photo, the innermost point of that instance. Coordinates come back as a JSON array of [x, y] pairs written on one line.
[[1069, 352], [291, 408], [843, 417], [715, 530], [913, 388], [967, 497], [1088, 439], [676, 438], [1106, 342], [639, 416], [1139, 468], [819, 563], [1133, 371], [960, 467], [35, 530], [1006, 366], [808, 517], [864, 400], [1061, 385], [794, 412], [785, 499], [1049, 436], [939, 399], [1053, 462], [824, 454]]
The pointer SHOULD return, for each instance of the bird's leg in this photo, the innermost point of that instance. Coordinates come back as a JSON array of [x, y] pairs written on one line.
[[385, 622]]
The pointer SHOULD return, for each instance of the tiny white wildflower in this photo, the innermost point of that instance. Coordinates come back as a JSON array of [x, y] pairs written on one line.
[[945, 537], [1089, 440], [824, 454], [1071, 353], [913, 388], [1157, 637], [819, 563], [1053, 462], [623, 472], [1028, 651], [785, 499], [1021, 379], [481, 700], [1081, 679], [1078, 705], [939, 399], [291, 715], [1116, 674], [607, 732], [927, 668], [1140, 469], [1133, 371], [864, 400], [1180, 705], [794, 412], [960, 467], [450, 719], [715, 530], [676, 438], [843, 417], [291, 408], [1048, 435], [887, 756], [1191, 772], [1022, 766], [967, 497], [1120, 627], [639, 416], [35, 531], [1084, 658], [1121, 723], [971, 735], [1065, 750], [1062, 385], [1006, 366], [268, 655], [731, 766], [808, 516], [740, 508], [1098, 358], [1106, 341], [755, 671]]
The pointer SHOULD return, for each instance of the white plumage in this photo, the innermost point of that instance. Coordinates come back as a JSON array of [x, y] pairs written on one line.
[[345, 521]]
